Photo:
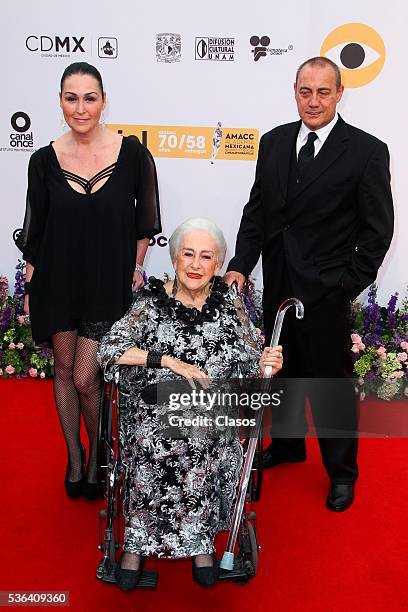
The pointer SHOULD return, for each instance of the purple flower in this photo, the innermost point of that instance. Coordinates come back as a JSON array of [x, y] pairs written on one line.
[[5, 318], [372, 339], [392, 315], [372, 318], [372, 294], [392, 303], [252, 301], [19, 292], [371, 376], [45, 353], [4, 288]]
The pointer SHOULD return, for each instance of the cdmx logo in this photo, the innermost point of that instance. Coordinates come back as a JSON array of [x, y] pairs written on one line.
[[261, 44], [69, 44], [358, 50]]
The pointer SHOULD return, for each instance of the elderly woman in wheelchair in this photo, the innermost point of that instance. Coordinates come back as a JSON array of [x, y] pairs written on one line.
[[178, 493]]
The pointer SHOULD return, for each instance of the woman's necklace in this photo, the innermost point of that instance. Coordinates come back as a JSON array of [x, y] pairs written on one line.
[[189, 305], [176, 293]]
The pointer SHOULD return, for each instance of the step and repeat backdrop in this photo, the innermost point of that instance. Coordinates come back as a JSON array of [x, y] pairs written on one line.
[[199, 83]]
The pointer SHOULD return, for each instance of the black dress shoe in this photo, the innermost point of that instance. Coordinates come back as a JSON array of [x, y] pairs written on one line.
[[340, 497], [271, 459], [74, 488], [128, 579], [206, 576]]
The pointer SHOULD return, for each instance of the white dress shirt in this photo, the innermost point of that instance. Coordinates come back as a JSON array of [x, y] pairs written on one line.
[[321, 134]]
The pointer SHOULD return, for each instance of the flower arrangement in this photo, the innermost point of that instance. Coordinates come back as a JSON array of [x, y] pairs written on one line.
[[18, 355], [380, 347]]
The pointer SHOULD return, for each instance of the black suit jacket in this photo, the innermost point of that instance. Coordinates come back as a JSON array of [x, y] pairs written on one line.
[[337, 225]]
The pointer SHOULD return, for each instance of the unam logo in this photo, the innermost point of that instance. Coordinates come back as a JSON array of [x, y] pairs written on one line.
[[215, 48], [168, 47], [359, 52]]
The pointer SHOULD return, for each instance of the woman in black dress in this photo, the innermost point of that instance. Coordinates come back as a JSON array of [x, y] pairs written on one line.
[[92, 205]]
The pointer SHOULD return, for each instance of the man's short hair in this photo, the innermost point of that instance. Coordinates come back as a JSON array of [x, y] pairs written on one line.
[[321, 62]]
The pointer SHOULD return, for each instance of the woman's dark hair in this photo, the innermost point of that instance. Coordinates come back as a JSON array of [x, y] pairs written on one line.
[[82, 68]]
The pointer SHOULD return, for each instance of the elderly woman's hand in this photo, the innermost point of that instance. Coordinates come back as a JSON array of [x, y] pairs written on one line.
[[271, 357], [190, 372]]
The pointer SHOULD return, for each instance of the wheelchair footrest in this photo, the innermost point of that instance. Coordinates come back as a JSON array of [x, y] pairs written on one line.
[[148, 579], [239, 573]]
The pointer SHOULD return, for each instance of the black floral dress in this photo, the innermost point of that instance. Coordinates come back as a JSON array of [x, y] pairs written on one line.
[[178, 493]]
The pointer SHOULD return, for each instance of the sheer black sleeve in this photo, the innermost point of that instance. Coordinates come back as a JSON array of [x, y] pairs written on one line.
[[35, 218], [147, 197]]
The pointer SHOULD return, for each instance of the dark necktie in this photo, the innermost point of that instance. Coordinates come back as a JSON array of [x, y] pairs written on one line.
[[306, 153]]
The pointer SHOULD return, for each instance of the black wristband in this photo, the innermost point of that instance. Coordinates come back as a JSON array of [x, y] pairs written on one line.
[[27, 287], [154, 359]]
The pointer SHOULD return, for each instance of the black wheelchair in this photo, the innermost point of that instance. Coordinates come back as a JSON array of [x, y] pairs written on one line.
[[110, 476], [240, 559]]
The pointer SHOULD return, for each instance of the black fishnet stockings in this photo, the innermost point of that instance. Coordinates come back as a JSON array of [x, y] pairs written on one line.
[[77, 388]]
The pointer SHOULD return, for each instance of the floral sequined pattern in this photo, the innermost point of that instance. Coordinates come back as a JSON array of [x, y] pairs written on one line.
[[178, 493]]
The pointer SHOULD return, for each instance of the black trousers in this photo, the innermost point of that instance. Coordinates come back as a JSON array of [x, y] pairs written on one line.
[[318, 367]]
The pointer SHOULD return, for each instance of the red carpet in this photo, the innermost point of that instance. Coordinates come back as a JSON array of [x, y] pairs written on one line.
[[311, 559]]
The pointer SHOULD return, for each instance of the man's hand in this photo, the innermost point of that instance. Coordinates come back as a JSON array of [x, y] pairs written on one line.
[[138, 281], [234, 277]]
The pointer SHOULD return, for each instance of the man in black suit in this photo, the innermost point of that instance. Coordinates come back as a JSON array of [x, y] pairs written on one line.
[[320, 213]]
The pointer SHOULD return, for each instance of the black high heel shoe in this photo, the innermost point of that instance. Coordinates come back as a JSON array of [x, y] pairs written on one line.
[[128, 579], [91, 490], [206, 576], [74, 488]]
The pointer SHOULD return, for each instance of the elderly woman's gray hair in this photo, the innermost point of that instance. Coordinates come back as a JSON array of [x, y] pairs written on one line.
[[198, 224]]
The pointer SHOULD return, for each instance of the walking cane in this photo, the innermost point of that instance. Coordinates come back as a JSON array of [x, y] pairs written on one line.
[[227, 561]]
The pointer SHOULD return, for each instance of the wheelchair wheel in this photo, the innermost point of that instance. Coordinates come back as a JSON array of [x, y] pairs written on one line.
[[246, 560], [253, 544], [109, 480], [106, 433], [255, 485]]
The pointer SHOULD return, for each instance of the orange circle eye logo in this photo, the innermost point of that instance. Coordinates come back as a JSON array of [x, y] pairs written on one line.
[[358, 50]]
